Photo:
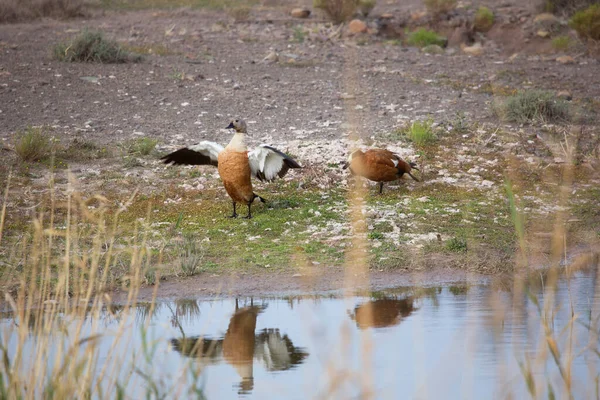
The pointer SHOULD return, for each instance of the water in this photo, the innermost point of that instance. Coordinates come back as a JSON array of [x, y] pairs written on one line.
[[447, 342]]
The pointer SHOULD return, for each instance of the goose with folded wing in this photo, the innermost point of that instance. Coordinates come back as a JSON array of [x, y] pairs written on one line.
[[236, 164]]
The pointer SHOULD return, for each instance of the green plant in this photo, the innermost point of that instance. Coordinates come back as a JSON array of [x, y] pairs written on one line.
[[421, 132], [366, 6], [177, 75], [190, 255], [457, 245], [142, 146], [92, 46], [587, 22], [534, 105], [337, 10], [423, 37], [298, 34], [484, 19], [561, 43], [438, 7], [34, 144]]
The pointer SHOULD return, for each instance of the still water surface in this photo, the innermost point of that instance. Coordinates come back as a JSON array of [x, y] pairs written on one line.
[[443, 342]]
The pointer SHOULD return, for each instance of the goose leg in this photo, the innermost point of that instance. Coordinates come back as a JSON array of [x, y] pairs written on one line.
[[249, 211], [380, 187], [234, 215]]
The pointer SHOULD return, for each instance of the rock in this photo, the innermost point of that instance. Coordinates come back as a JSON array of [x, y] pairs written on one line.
[[565, 60], [432, 49], [357, 26], [565, 95], [543, 33], [475, 50], [271, 57], [546, 21], [545, 18], [300, 13]]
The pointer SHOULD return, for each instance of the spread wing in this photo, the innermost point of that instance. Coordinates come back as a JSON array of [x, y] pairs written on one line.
[[266, 163], [203, 153]]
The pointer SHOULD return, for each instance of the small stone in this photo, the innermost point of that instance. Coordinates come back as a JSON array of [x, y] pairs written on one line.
[[565, 60], [357, 26], [300, 13], [475, 50], [565, 95], [432, 49], [543, 33], [271, 57], [545, 18]]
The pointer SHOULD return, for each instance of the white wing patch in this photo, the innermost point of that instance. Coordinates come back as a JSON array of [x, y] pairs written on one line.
[[209, 149], [395, 161], [265, 163]]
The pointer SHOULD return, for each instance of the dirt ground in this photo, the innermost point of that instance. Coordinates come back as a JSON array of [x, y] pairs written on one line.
[[303, 85]]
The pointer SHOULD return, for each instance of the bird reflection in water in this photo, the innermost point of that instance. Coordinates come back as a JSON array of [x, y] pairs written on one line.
[[382, 313], [241, 345]]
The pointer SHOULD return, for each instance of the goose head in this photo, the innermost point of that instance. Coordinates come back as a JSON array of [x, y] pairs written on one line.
[[238, 124], [354, 154]]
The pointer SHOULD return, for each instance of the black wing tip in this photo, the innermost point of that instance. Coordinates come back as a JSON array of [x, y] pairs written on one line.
[[187, 156], [290, 162], [287, 159]]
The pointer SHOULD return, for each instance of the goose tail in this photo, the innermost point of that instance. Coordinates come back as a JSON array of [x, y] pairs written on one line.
[[255, 196]]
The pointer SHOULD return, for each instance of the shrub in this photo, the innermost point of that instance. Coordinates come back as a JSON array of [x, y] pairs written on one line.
[[565, 6], [337, 10], [239, 12], [21, 10], [534, 105], [484, 19], [561, 43], [366, 6], [587, 22], [421, 132], [142, 146], [34, 144], [438, 7], [91, 46], [423, 37]]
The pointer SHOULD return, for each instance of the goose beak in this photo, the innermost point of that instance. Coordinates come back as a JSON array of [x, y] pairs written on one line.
[[230, 126]]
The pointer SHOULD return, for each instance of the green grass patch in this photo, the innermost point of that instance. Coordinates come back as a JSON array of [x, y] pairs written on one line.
[[140, 147], [587, 22], [34, 144], [421, 133], [438, 7], [457, 245], [286, 229], [561, 43], [423, 37], [533, 105], [484, 19], [92, 46]]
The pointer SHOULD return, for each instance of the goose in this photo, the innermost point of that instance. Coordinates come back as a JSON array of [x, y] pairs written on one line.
[[236, 164], [379, 165]]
